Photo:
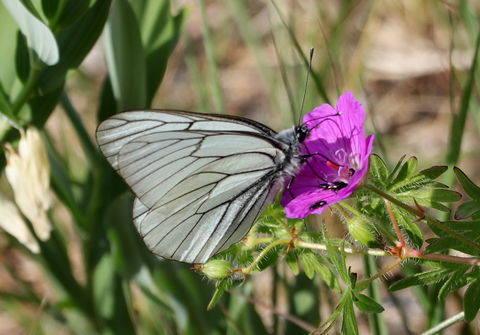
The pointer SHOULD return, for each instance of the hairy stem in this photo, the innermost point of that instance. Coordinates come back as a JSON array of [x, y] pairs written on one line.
[[363, 284], [445, 324]]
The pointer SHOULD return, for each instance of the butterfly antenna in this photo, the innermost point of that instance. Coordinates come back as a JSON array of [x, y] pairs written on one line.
[[306, 83]]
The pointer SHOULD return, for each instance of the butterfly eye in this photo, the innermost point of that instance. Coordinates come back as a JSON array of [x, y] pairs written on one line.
[[301, 132]]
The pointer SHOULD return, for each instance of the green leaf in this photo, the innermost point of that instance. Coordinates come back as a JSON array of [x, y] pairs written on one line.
[[220, 288], [338, 260], [367, 304], [434, 195], [103, 278], [291, 260], [73, 11], [434, 171], [125, 57], [38, 35], [468, 185], [455, 281], [75, 42], [406, 171], [457, 126], [349, 322], [378, 172], [467, 209], [8, 47], [424, 278], [160, 31], [471, 302]]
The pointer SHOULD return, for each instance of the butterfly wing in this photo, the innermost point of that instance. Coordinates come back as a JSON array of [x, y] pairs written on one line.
[[199, 188], [113, 133]]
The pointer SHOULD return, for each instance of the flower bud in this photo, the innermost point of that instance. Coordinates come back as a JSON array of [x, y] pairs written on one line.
[[216, 269], [363, 231]]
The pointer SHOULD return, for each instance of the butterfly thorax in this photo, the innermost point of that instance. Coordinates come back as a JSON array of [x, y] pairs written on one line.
[[293, 138]]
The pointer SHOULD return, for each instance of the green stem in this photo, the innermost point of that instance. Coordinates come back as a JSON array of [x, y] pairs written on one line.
[[323, 247], [87, 144], [363, 284], [448, 258], [211, 61], [422, 215], [376, 321], [30, 84], [445, 324], [249, 269], [58, 14]]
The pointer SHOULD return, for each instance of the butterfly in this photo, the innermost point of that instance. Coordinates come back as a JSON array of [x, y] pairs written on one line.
[[200, 180]]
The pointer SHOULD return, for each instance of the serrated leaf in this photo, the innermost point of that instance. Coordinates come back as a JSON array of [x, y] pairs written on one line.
[[270, 258], [434, 171], [424, 278], [406, 171], [291, 260], [349, 322], [337, 258], [471, 300], [377, 172], [434, 195], [454, 282], [367, 304], [38, 35], [220, 288], [396, 168], [467, 209], [468, 185]]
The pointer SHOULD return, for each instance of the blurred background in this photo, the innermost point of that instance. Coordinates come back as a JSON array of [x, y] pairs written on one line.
[[409, 63]]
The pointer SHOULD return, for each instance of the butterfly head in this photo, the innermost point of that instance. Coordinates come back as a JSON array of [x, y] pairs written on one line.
[[301, 132]]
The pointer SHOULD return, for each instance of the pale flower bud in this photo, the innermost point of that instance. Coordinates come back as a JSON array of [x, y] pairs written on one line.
[[216, 269], [12, 222], [28, 173], [363, 231]]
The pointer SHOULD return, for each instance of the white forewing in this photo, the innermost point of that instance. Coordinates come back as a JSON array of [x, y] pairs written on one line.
[[115, 132], [200, 181]]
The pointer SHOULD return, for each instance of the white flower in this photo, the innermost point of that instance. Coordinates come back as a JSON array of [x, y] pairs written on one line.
[[28, 173], [12, 222]]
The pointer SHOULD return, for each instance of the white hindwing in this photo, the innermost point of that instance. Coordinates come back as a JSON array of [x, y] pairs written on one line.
[[200, 180]]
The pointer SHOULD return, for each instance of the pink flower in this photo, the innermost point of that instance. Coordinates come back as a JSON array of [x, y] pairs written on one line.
[[336, 152]]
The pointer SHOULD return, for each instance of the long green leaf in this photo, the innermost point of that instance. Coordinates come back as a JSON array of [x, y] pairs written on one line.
[[125, 57], [38, 35]]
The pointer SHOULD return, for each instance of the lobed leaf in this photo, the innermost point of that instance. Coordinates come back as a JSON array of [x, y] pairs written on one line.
[[456, 280], [291, 260], [367, 304], [349, 322], [467, 184], [424, 278], [378, 172], [471, 301], [467, 209]]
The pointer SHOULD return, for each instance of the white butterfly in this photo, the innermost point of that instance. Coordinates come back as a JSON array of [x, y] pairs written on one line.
[[200, 180]]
